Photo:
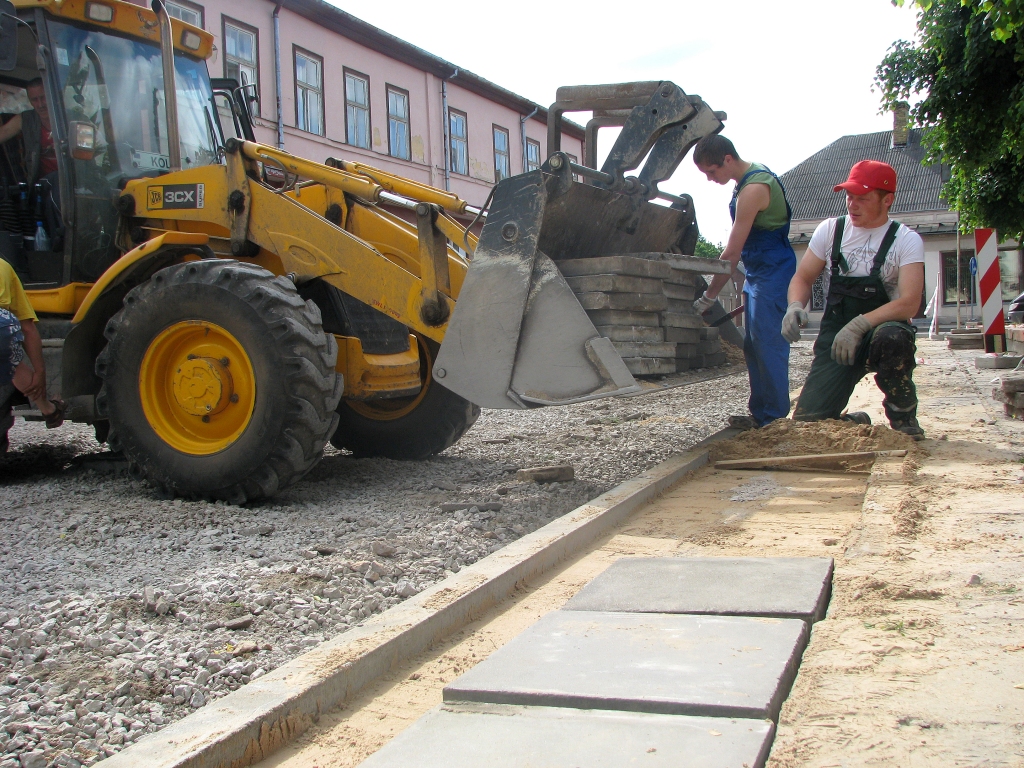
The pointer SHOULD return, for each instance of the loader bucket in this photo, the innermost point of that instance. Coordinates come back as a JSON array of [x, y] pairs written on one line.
[[518, 337]]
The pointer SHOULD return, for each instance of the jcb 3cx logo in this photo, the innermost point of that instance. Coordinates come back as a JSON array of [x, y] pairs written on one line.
[[177, 196]]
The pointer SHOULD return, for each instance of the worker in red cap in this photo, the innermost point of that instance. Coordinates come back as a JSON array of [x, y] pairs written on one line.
[[874, 279]]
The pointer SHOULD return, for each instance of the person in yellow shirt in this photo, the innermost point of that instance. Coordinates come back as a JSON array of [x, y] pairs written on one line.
[[19, 338]]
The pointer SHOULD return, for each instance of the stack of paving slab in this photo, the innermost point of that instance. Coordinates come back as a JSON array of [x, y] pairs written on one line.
[[679, 662], [1010, 393], [645, 307], [965, 339]]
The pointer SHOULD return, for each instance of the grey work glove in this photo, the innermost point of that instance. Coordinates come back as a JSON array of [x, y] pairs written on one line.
[[795, 319], [844, 346], [703, 304]]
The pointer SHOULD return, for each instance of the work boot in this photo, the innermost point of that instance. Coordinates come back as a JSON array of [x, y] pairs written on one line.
[[742, 422], [857, 417], [908, 426]]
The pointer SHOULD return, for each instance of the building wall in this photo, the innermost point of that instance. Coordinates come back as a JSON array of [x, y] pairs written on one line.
[[426, 126]]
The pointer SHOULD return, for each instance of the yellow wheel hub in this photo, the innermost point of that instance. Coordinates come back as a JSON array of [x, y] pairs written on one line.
[[197, 387]]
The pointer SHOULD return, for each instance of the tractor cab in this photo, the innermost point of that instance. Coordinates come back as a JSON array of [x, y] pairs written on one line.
[[86, 82]]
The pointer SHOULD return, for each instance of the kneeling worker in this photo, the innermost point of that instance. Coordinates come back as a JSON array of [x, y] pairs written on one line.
[[874, 278]]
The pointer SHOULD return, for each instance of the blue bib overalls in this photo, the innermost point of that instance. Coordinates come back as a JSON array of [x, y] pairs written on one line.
[[770, 264]]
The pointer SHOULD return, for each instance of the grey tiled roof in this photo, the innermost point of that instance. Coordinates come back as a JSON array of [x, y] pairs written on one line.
[[809, 185]]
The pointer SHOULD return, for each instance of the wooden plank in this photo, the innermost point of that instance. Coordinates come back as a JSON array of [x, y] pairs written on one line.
[[781, 461]]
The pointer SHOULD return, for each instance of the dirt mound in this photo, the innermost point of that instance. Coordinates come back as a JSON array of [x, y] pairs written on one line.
[[798, 438], [733, 354]]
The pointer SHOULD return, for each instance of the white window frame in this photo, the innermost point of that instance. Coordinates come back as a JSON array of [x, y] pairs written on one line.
[[502, 159], [248, 69], [307, 93], [458, 145], [532, 163], [357, 113], [398, 125], [185, 11]]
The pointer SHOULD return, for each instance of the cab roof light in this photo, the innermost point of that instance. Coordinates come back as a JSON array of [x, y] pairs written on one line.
[[99, 12], [191, 40]]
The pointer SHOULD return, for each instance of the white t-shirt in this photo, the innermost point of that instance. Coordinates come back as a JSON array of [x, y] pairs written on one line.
[[860, 246]]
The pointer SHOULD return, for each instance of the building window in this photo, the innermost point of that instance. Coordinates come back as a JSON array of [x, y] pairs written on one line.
[[357, 109], [241, 57], [187, 12], [968, 293], [309, 93], [398, 123], [1009, 272], [458, 142], [532, 155], [501, 160], [573, 159]]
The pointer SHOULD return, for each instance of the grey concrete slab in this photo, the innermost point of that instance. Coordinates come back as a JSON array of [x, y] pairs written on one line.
[[502, 736], [614, 284], [681, 292], [619, 317], [630, 302], [781, 587], [645, 348], [650, 366], [615, 265], [631, 333], [714, 666], [683, 335], [682, 320]]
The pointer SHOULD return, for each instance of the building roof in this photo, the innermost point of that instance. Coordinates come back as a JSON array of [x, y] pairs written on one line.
[[333, 18], [809, 185]]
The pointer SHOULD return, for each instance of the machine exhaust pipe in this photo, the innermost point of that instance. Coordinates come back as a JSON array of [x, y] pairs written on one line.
[[170, 91]]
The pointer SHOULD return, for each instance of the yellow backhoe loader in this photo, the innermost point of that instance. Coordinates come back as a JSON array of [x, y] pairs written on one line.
[[219, 309]]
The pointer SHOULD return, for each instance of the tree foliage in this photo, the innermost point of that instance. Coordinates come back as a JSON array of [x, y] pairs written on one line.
[[967, 67], [706, 249]]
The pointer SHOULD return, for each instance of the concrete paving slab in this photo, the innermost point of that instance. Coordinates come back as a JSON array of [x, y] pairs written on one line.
[[683, 335], [620, 317], [615, 265], [614, 284], [682, 320], [639, 333], [713, 666], [645, 348], [630, 302], [650, 366], [681, 292], [780, 587], [502, 736]]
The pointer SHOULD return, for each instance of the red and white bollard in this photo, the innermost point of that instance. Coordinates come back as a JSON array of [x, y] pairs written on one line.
[[990, 285]]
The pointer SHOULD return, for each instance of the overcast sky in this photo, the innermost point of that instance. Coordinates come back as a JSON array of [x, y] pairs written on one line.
[[793, 75]]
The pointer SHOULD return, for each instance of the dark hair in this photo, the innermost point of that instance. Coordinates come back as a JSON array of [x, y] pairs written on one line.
[[711, 150], [37, 83]]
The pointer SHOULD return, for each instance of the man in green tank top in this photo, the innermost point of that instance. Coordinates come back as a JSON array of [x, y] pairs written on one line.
[[760, 237]]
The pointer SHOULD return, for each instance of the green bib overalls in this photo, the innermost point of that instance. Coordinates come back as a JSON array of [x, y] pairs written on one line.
[[887, 350]]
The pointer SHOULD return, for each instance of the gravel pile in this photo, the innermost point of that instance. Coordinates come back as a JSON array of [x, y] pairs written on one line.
[[121, 612]]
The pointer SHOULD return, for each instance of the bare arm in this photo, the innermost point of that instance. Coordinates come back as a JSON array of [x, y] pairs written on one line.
[[807, 272], [34, 350], [911, 285], [10, 129], [752, 199]]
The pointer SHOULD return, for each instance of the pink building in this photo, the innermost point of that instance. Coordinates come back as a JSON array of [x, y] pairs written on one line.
[[351, 90]]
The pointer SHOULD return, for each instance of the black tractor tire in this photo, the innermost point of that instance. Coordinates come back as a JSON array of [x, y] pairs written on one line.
[[294, 387], [434, 420]]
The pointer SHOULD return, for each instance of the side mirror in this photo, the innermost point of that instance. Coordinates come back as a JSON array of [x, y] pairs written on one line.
[[82, 137], [8, 36]]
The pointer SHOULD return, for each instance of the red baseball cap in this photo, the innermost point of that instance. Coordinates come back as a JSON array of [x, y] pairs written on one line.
[[867, 175]]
